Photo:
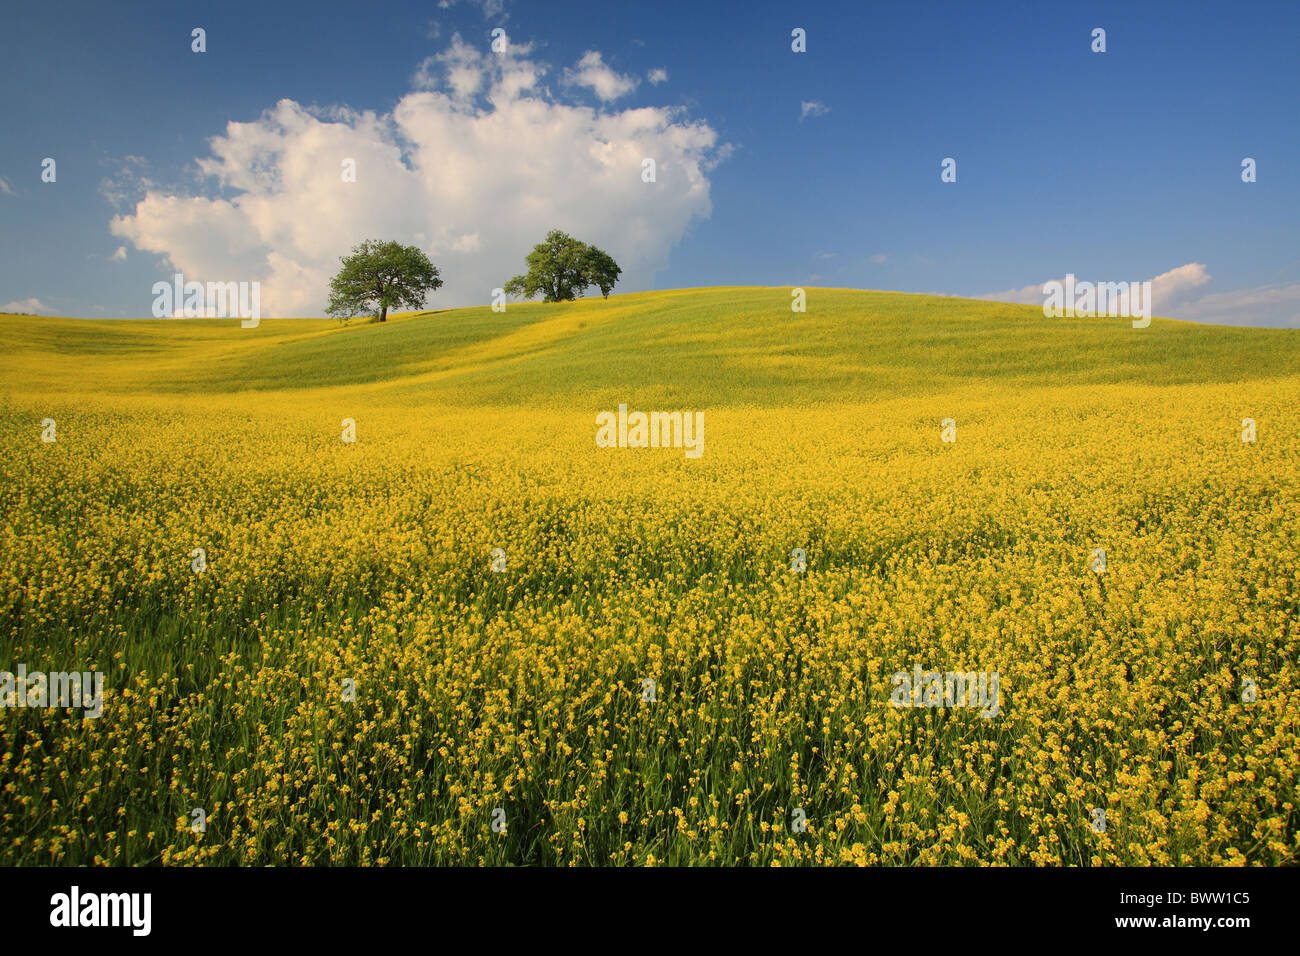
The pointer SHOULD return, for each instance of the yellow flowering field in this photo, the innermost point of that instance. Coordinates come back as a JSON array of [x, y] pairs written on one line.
[[473, 636]]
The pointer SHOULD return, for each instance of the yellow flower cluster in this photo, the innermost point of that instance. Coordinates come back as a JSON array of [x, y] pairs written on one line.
[[349, 680]]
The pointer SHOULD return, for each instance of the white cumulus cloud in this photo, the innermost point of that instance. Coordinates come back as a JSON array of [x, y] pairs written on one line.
[[24, 305], [474, 166], [1168, 290], [1264, 305], [592, 72], [1179, 294]]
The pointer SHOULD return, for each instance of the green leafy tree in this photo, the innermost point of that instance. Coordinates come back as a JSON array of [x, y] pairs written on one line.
[[379, 276], [561, 268], [602, 269]]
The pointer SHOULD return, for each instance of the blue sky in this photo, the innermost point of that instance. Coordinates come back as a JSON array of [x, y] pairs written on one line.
[[1115, 166]]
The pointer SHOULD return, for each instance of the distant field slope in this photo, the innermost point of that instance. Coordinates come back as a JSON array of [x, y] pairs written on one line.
[[698, 346]]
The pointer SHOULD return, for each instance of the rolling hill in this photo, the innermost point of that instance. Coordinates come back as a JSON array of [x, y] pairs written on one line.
[[473, 635], [701, 346]]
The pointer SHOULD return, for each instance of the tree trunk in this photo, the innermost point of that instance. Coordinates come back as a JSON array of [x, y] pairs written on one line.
[[383, 313]]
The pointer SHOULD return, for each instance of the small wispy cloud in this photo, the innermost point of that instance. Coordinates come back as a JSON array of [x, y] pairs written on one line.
[[657, 75], [809, 108], [490, 8], [6, 188], [127, 183], [593, 73], [119, 255], [879, 257]]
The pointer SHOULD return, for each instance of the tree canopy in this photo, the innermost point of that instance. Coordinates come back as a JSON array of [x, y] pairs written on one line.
[[561, 268], [378, 276]]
